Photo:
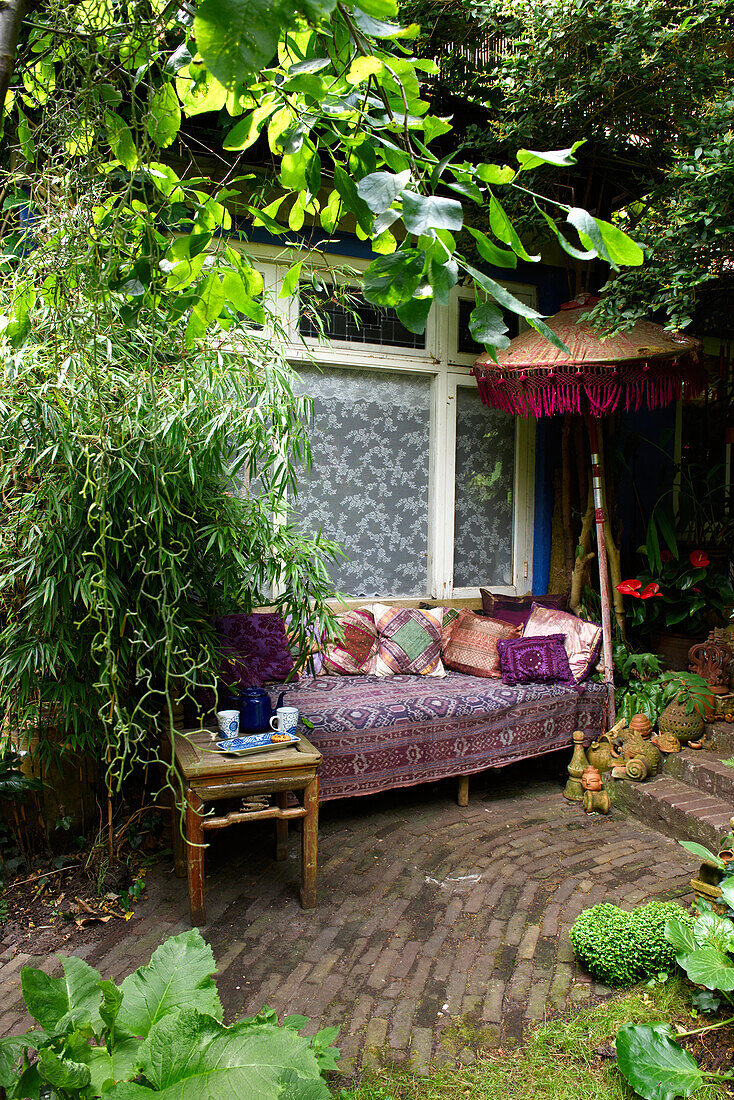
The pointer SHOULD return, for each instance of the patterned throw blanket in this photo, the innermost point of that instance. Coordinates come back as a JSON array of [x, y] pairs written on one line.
[[379, 733]]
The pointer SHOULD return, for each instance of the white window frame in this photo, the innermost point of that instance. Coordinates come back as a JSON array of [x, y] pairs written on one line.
[[448, 369]]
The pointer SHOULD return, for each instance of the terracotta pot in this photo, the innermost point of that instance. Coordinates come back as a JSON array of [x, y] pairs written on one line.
[[673, 648]]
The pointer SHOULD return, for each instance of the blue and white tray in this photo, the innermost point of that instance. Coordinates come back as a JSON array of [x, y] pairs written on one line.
[[256, 742]]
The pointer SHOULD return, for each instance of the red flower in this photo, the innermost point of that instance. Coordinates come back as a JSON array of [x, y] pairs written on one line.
[[651, 589], [699, 559], [696, 590], [630, 588], [666, 555]]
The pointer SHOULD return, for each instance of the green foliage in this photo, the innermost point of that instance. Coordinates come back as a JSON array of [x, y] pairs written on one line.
[[159, 1033], [655, 1065], [530, 74], [620, 948], [641, 687]]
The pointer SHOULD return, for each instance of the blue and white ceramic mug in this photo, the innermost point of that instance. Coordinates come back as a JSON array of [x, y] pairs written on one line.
[[229, 722], [285, 720]]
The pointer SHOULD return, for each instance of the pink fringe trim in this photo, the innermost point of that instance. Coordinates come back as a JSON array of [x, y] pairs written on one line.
[[599, 389]]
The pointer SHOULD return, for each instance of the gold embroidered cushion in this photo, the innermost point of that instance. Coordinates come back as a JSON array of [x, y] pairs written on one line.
[[581, 639], [472, 646]]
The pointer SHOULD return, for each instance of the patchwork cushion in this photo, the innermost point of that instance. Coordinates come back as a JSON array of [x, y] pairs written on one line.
[[472, 647], [517, 609], [255, 648], [534, 660], [581, 639], [409, 640], [356, 653]]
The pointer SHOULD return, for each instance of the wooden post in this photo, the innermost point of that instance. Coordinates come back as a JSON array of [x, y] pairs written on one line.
[[606, 615], [281, 828], [195, 857], [309, 844], [463, 793]]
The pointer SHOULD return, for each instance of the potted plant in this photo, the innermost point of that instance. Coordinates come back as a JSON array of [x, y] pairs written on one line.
[[685, 597], [644, 688]]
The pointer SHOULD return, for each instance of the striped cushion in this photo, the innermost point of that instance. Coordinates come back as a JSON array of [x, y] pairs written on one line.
[[409, 641], [472, 647], [356, 654]]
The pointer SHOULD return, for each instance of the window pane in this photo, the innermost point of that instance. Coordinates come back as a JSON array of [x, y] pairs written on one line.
[[485, 471], [354, 319], [465, 342], [368, 488]]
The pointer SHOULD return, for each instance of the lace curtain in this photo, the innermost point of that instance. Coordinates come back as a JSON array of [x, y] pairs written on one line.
[[483, 508], [368, 488]]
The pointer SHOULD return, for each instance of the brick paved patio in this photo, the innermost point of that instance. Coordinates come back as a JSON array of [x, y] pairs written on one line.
[[439, 930]]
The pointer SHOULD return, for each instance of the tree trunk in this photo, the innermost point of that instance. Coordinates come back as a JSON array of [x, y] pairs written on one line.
[[584, 555], [11, 16], [613, 555]]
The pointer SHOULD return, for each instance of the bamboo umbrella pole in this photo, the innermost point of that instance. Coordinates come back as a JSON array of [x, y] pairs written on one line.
[[606, 617]]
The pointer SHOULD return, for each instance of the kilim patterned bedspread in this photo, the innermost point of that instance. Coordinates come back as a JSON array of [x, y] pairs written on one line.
[[379, 733]]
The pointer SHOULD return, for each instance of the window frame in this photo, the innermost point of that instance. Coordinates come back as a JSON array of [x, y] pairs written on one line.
[[448, 369]]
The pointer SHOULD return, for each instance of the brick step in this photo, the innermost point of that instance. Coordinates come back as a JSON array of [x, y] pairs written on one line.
[[674, 808], [720, 735], [704, 770]]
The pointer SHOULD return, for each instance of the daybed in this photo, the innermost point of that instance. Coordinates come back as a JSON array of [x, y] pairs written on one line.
[[378, 733]]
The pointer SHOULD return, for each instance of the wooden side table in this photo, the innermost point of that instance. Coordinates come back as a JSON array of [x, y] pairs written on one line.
[[210, 777]]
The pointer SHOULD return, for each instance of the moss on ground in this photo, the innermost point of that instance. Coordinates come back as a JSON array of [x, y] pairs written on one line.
[[571, 1058]]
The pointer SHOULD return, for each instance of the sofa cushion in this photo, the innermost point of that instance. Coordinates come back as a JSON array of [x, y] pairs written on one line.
[[255, 648], [409, 640], [534, 660], [356, 653], [516, 609], [581, 639], [472, 646]]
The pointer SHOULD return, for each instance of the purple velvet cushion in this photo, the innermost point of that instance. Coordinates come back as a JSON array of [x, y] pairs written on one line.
[[534, 660], [516, 609], [255, 647]]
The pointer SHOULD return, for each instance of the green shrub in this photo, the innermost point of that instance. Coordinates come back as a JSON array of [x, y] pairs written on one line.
[[158, 1034], [620, 948]]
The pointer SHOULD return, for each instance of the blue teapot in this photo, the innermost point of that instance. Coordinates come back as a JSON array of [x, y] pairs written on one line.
[[256, 709]]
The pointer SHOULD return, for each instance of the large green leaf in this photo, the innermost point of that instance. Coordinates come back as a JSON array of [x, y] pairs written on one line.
[[422, 213], [11, 1048], [414, 313], [680, 935], [504, 230], [179, 975], [492, 253], [194, 1057], [62, 1073], [655, 1066], [487, 325], [380, 189], [702, 853], [561, 158], [711, 930], [54, 1002], [611, 243], [710, 967], [121, 140], [164, 118], [236, 37], [392, 280], [119, 1064]]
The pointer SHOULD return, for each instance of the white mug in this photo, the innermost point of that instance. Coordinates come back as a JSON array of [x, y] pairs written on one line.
[[285, 720], [229, 722]]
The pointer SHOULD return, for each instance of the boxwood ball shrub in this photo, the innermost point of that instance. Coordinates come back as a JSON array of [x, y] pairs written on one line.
[[620, 948]]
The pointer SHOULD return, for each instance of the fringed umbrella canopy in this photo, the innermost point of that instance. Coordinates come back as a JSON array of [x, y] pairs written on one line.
[[646, 367]]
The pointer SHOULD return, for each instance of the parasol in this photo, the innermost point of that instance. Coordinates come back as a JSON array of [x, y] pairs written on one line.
[[645, 367]]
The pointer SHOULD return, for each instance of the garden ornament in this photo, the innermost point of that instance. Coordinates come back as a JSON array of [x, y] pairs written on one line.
[[713, 660], [574, 791]]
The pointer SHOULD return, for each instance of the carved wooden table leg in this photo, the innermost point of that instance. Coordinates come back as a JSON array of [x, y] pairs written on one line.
[[195, 857], [309, 844], [463, 795], [281, 827]]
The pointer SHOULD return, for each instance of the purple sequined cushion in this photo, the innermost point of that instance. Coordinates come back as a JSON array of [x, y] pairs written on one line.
[[255, 647], [534, 660], [516, 609]]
